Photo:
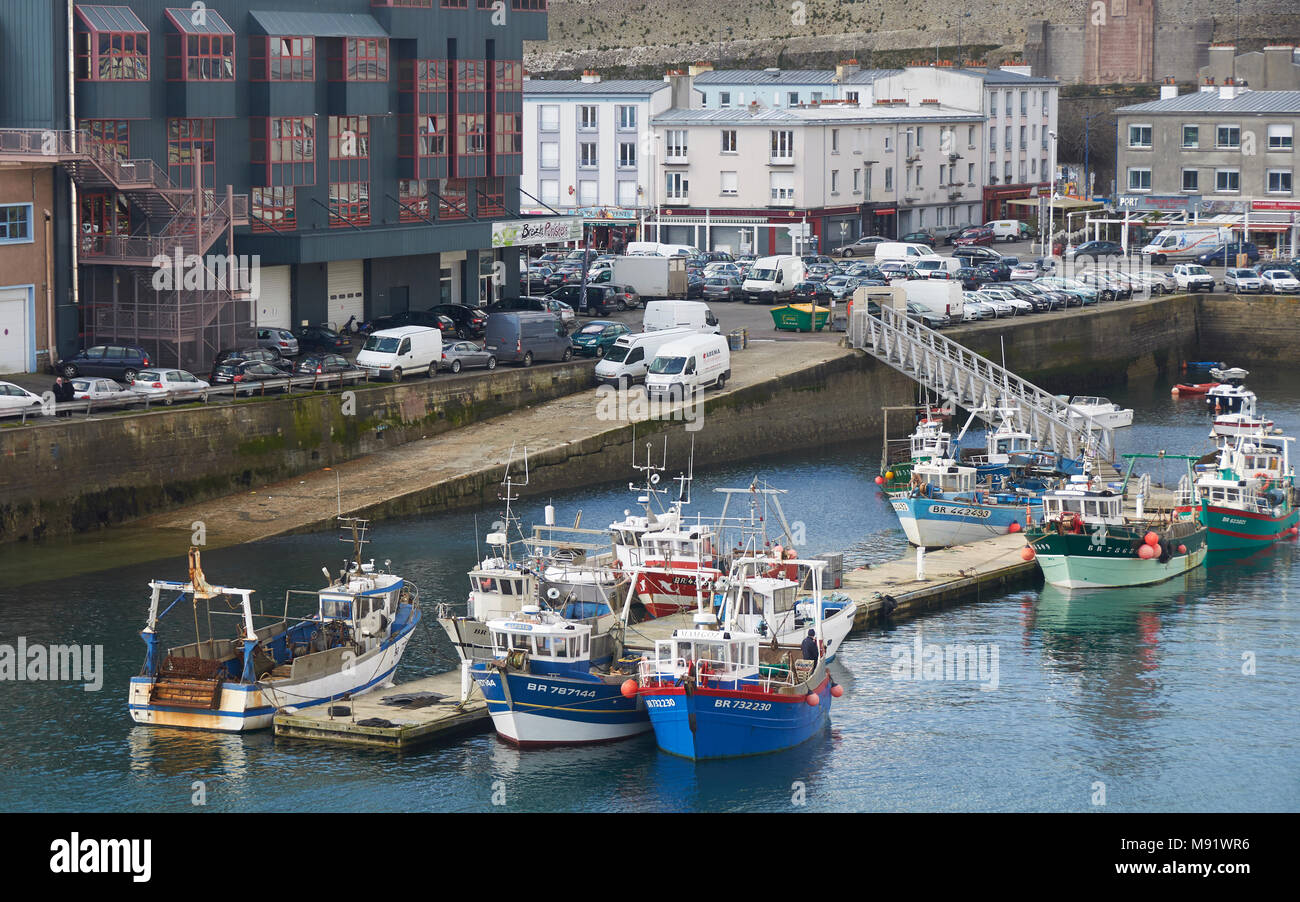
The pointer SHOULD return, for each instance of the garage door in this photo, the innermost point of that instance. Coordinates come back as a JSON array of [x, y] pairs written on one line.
[[273, 310], [15, 331], [345, 286], [725, 239]]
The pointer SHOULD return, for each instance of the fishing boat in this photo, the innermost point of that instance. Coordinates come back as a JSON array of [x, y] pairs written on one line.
[[1248, 495], [1229, 373], [1101, 411], [946, 505], [716, 692], [1235, 414], [236, 681], [773, 606], [556, 677], [1088, 539]]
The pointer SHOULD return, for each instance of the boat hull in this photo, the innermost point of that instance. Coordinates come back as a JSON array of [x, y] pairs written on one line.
[[540, 709], [721, 723], [1081, 561], [1232, 530], [662, 592], [938, 523]]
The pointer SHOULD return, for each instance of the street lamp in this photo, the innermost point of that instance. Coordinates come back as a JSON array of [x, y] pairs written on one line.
[[1051, 197]]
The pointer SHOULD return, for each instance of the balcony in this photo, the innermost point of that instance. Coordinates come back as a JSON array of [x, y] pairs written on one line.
[[781, 197], [676, 159], [787, 160]]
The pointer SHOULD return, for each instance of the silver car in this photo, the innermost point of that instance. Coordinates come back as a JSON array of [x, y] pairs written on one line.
[[461, 355], [281, 339], [169, 386], [87, 389], [1243, 281]]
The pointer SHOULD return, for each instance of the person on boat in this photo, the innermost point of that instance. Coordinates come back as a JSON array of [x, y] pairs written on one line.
[[810, 649]]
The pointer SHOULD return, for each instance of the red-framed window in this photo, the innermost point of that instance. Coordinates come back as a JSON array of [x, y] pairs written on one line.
[[111, 134], [491, 197], [414, 197], [453, 199], [202, 48], [469, 119], [349, 165], [282, 58], [508, 131], [360, 59], [102, 215], [412, 4], [471, 134], [422, 126], [454, 4], [507, 119], [509, 76], [274, 209], [528, 5], [110, 44], [186, 139], [471, 76], [284, 147]]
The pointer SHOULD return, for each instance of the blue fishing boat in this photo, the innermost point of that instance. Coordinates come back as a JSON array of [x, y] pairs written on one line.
[[947, 505], [716, 692]]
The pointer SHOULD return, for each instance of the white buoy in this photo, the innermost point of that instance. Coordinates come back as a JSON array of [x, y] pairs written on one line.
[[550, 515], [1141, 500], [920, 563]]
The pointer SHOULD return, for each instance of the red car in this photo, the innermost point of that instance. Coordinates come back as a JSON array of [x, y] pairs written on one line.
[[977, 235]]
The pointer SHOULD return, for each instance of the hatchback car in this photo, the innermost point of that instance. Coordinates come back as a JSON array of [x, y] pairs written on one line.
[[461, 355], [927, 317], [321, 338], [101, 390], [264, 355], [319, 364], [973, 255], [120, 362], [597, 337], [974, 236], [15, 397], [1227, 253], [170, 386], [841, 287], [863, 247], [281, 339], [1243, 281], [1092, 251], [562, 310], [810, 292], [723, 288], [470, 322], [1280, 281]]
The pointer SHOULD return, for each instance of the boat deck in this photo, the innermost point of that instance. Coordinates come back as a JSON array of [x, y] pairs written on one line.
[[371, 722]]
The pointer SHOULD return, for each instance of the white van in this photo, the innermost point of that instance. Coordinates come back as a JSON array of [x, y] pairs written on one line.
[[927, 265], [689, 365], [655, 248], [900, 250], [405, 351], [1185, 244], [693, 315], [939, 296], [770, 279], [627, 361], [1008, 229]]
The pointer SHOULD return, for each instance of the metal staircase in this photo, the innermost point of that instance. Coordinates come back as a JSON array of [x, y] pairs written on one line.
[[964, 378]]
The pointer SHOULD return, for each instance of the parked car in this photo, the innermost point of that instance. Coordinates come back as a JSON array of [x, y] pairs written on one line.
[[810, 293], [818, 272], [976, 235], [1000, 306], [1243, 281], [694, 285], [810, 260], [281, 339], [1154, 282], [170, 386], [253, 371], [1193, 277], [891, 270], [863, 271], [719, 257], [927, 317], [1092, 251], [15, 397], [973, 310], [1086, 295], [972, 277], [1018, 304], [1025, 271], [461, 355], [534, 279], [264, 355], [562, 309], [320, 363], [840, 287], [721, 268], [976, 254], [1106, 290], [723, 288], [470, 321], [597, 337], [85, 389], [921, 237], [863, 247], [120, 362], [997, 270], [1280, 281], [1056, 300], [946, 234], [1226, 254], [514, 305], [321, 338]]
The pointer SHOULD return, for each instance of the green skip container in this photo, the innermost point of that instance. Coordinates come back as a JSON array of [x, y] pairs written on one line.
[[800, 318]]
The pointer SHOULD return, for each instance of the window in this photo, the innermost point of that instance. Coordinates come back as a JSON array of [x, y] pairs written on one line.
[[550, 189], [453, 199], [587, 195], [587, 117], [781, 186], [548, 117], [675, 144], [676, 186], [188, 140], [993, 138], [200, 52], [782, 145], [1227, 180], [724, 99], [851, 96], [1228, 136], [1024, 103], [1007, 143], [889, 178], [283, 150], [507, 122], [943, 174], [889, 143], [413, 196], [282, 58], [491, 193], [1191, 136], [360, 59], [793, 98], [728, 184], [835, 181], [1280, 137], [919, 171], [349, 171], [1006, 172], [469, 118], [587, 155], [626, 116], [1191, 179], [1139, 136], [1279, 181], [1006, 104], [1139, 180], [857, 181], [423, 125], [920, 137], [729, 140], [627, 194], [113, 135], [111, 44], [550, 155], [970, 135], [16, 224], [627, 155], [1023, 174], [273, 209], [970, 173], [1023, 143], [993, 104], [835, 140]]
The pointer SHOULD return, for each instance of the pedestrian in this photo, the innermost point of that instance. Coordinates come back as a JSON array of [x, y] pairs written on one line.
[[810, 648], [63, 392]]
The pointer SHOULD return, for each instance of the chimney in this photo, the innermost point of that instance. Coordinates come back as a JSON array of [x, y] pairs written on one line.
[[1279, 68], [680, 81], [1228, 90], [845, 68], [1168, 88], [696, 68], [1207, 85], [1222, 57], [590, 76]]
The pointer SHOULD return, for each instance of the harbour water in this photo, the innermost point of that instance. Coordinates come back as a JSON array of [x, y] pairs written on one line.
[[1174, 697]]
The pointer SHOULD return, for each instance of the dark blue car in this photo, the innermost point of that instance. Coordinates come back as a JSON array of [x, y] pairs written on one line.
[[1226, 254]]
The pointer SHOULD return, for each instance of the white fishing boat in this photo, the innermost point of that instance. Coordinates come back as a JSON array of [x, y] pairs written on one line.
[[1229, 373], [235, 680], [773, 603], [1235, 414], [1102, 411]]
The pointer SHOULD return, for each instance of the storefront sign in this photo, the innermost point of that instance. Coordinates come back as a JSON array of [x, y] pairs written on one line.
[[1275, 205], [1165, 203], [552, 230]]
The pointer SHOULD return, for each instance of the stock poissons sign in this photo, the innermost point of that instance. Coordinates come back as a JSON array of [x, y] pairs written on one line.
[[549, 230]]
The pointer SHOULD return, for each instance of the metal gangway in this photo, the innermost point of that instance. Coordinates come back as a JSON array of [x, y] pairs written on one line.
[[964, 378]]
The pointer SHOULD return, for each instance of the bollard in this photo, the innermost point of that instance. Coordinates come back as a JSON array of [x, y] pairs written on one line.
[[1141, 499], [464, 681], [920, 563]]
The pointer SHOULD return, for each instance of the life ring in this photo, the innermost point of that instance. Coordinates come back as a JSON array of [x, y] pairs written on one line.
[[1076, 524], [1268, 480], [705, 670]]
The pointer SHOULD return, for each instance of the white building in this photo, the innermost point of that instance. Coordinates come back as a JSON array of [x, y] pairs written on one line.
[[774, 88]]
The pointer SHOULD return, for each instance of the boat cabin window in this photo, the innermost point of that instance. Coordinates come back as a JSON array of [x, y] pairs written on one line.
[[783, 599], [335, 609], [748, 604]]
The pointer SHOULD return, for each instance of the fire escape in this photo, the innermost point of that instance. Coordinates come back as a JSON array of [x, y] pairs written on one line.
[[197, 310]]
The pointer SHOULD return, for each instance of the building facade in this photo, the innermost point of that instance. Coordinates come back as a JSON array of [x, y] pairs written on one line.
[[27, 261], [774, 180], [358, 150], [776, 88]]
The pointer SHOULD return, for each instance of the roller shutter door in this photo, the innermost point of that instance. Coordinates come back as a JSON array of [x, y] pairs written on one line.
[[273, 306], [15, 331], [346, 288]]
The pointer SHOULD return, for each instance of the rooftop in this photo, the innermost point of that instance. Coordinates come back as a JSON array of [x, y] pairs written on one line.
[[1245, 101], [574, 86], [845, 114]]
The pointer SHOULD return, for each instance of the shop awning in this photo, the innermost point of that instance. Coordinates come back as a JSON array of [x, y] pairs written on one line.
[[317, 24], [111, 19]]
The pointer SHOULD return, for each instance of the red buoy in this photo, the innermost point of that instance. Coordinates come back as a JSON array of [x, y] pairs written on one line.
[[1146, 552], [629, 689], [813, 699], [1151, 539], [1014, 527], [880, 480], [837, 690], [1182, 549], [1027, 553]]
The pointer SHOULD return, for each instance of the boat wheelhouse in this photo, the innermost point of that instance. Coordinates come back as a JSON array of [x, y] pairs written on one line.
[[769, 603]]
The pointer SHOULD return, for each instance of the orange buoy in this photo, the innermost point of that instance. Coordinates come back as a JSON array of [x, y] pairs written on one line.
[[813, 699], [837, 690], [1151, 539], [1146, 552], [1027, 553], [1014, 527], [629, 688]]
